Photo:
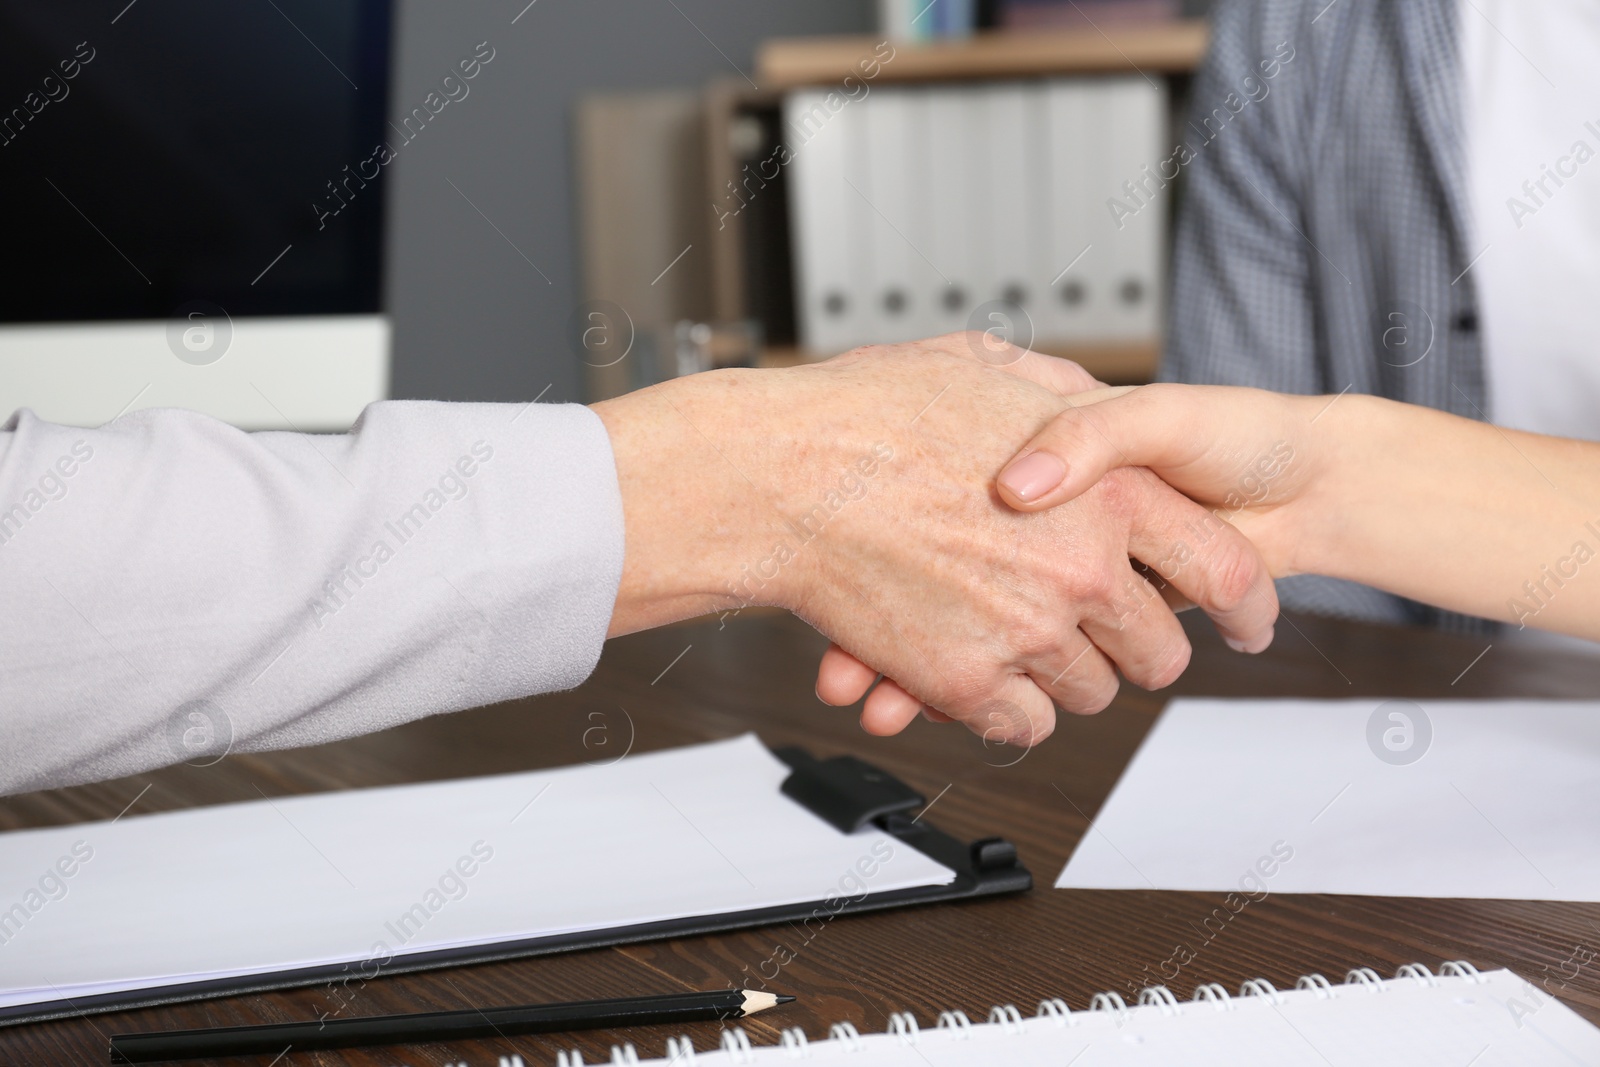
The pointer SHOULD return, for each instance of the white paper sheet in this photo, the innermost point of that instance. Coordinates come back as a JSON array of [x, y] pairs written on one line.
[[362, 875], [1485, 799]]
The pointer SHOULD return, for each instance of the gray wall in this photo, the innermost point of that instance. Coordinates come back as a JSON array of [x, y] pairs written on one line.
[[474, 319]]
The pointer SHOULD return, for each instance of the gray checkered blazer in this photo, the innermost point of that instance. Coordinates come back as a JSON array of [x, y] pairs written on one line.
[[1323, 235]]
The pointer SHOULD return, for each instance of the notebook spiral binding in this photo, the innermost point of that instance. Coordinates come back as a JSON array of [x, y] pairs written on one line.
[[903, 1025]]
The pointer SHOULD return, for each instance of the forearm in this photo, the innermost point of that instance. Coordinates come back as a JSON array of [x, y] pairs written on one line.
[[176, 588], [1456, 513]]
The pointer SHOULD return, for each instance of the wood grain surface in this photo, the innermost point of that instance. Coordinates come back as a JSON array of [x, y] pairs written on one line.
[[704, 681]]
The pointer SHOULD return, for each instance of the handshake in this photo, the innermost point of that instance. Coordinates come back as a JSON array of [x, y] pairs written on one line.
[[966, 519], [984, 533]]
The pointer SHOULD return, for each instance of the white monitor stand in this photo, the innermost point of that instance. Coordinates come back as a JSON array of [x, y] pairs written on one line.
[[308, 373]]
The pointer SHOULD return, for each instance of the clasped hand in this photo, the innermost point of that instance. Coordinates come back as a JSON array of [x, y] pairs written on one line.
[[860, 493]]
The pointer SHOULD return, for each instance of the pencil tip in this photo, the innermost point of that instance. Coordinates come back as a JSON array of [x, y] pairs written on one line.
[[755, 1000], [784, 999]]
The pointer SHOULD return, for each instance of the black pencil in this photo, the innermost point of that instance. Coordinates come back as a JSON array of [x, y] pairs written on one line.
[[277, 1038]]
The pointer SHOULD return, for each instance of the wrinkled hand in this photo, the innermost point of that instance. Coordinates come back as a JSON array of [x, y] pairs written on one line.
[[1192, 555], [868, 483]]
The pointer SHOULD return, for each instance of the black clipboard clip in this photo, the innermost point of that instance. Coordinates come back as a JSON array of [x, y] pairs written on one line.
[[851, 794]]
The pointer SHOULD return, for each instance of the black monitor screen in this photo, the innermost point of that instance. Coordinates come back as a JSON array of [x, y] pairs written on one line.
[[162, 152]]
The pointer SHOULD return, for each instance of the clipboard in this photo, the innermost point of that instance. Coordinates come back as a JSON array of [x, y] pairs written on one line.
[[848, 793]]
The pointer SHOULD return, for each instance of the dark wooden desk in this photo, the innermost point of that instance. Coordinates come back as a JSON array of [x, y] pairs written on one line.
[[697, 682]]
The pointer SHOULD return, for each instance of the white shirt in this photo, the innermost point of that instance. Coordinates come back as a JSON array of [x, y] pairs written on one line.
[[172, 589], [1531, 105]]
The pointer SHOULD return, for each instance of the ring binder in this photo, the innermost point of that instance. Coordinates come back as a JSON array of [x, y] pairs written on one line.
[[1240, 1039]]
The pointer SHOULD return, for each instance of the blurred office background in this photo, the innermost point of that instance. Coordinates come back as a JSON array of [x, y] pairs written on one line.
[[601, 140], [473, 320]]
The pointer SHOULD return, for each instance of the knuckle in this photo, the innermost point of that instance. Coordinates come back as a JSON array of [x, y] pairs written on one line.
[[1067, 433], [1068, 421], [1231, 574], [1096, 698], [1076, 376], [1084, 583], [1121, 491], [1006, 722], [1171, 667], [1035, 636], [966, 687]]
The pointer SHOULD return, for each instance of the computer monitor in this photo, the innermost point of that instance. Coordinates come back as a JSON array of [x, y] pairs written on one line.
[[193, 208]]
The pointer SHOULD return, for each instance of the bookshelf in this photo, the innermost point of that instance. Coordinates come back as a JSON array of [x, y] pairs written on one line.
[[1165, 48], [654, 168]]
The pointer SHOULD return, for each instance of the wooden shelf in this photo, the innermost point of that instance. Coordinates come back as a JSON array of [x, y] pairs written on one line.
[[1114, 364], [1165, 48], [786, 356]]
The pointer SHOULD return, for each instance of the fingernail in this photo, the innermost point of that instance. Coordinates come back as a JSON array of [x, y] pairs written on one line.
[[1034, 475], [1253, 647]]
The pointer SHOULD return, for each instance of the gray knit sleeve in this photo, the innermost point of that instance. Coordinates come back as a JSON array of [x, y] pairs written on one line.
[[172, 588]]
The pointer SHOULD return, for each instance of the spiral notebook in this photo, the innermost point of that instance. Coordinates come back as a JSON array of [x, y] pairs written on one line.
[[1458, 1018]]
